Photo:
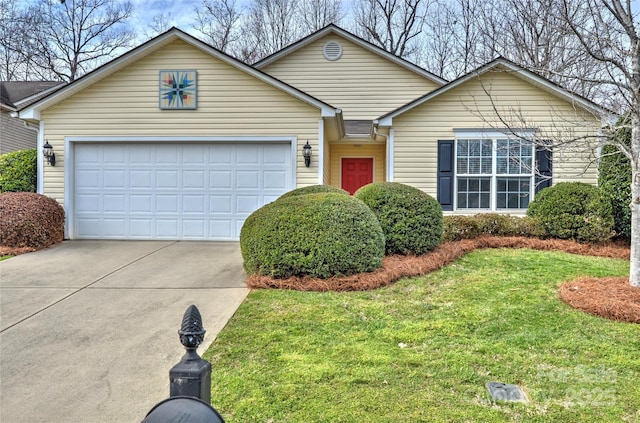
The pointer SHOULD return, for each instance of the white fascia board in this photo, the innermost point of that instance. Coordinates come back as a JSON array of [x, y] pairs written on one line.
[[29, 114]]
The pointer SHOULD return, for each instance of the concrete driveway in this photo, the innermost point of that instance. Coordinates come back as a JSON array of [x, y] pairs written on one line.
[[88, 329]]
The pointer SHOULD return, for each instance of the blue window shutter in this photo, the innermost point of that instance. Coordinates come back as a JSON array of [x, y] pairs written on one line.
[[445, 174], [544, 167]]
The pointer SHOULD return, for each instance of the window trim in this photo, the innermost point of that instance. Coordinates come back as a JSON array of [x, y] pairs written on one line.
[[494, 176]]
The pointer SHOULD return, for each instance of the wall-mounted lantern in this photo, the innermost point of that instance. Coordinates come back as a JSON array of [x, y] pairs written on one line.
[[47, 151], [306, 153]]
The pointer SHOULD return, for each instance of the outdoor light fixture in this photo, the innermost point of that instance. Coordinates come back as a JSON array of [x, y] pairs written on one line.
[[47, 150], [306, 153]]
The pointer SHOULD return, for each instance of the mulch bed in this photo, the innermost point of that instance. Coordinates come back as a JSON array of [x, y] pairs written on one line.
[[611, 298], [598, 296]]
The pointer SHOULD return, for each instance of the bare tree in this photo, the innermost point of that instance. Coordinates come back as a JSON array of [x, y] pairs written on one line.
[[15, 42], [608, 33], [74, 36], [159, 23], [316, 14], [219, 21], [270, 25], [394, 25]]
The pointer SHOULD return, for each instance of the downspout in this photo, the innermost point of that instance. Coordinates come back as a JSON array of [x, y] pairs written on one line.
[[40, 159], [389, 147]]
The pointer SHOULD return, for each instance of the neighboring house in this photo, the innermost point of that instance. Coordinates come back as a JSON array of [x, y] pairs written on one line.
[[176, 140], [16, 134]]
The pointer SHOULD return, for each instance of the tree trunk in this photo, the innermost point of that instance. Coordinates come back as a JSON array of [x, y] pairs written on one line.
[[634, 270]]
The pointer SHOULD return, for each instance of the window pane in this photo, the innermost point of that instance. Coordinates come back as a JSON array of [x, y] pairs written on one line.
[[473, 157], [502, 165], [463, 162], [463, 148], [474, 193], [462, 201], [513, 193], [485, 200]]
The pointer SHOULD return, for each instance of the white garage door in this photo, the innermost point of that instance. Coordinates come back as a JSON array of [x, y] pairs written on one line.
[[174, 191]]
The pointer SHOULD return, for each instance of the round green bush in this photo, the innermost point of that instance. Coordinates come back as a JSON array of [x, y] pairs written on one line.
[[411, 219], [614, 179], [319, 235], [18, 171], [30, 220], [314, 189], [574, 210]]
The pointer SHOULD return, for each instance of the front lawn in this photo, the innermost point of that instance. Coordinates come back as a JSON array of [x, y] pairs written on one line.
[[423, 349]]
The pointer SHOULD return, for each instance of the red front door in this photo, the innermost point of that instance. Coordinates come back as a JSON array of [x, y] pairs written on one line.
[[356, 173]]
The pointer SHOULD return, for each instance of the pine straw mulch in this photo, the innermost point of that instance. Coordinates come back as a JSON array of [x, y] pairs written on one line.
[[15, 251], [611, 298]]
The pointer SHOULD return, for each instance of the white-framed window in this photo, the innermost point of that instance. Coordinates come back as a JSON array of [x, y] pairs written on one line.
[[493, 173]]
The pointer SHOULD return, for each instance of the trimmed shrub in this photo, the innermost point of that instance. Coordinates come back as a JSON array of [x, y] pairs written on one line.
[[614, 179], [319, 235], [410, 218], [456, 228], [314, 189], [30, 220], [470, 227], [495, 224], [574, 210], [19, 171]]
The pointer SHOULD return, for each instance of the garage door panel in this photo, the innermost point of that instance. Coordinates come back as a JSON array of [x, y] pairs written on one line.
[[166, 154], [246, 204], [167, 203], [173, 191], [114, 156], [221, 179], [193, 179], [220, 204], [247, 179], [167, 179], [115, 203], [195, 155], [141, 203], [90, 178], [141, 228], [275, 180], [140, 179], [115, 228], [88, 203], [193, 204], [114, 179], [167, 228]]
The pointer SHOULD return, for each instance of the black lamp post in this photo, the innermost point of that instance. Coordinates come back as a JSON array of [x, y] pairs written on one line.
[[47, 151], [306, 153]]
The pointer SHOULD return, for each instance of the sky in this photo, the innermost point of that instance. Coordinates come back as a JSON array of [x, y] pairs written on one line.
[[180, 13]]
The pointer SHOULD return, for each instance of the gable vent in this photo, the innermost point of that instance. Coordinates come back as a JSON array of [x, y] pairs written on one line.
[[332, 50]]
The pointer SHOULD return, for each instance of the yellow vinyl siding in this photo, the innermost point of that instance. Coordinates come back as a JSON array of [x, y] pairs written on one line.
[[361, 83], [230, 103], [467, 106], [376, 151]]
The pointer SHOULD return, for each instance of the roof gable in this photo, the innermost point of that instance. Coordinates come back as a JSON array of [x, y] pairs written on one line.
[[497, 64], [14, 94], [32, 112], [332, 29]]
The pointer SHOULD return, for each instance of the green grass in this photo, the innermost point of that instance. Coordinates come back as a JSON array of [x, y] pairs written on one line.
[[423, 349], [5, 257]]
